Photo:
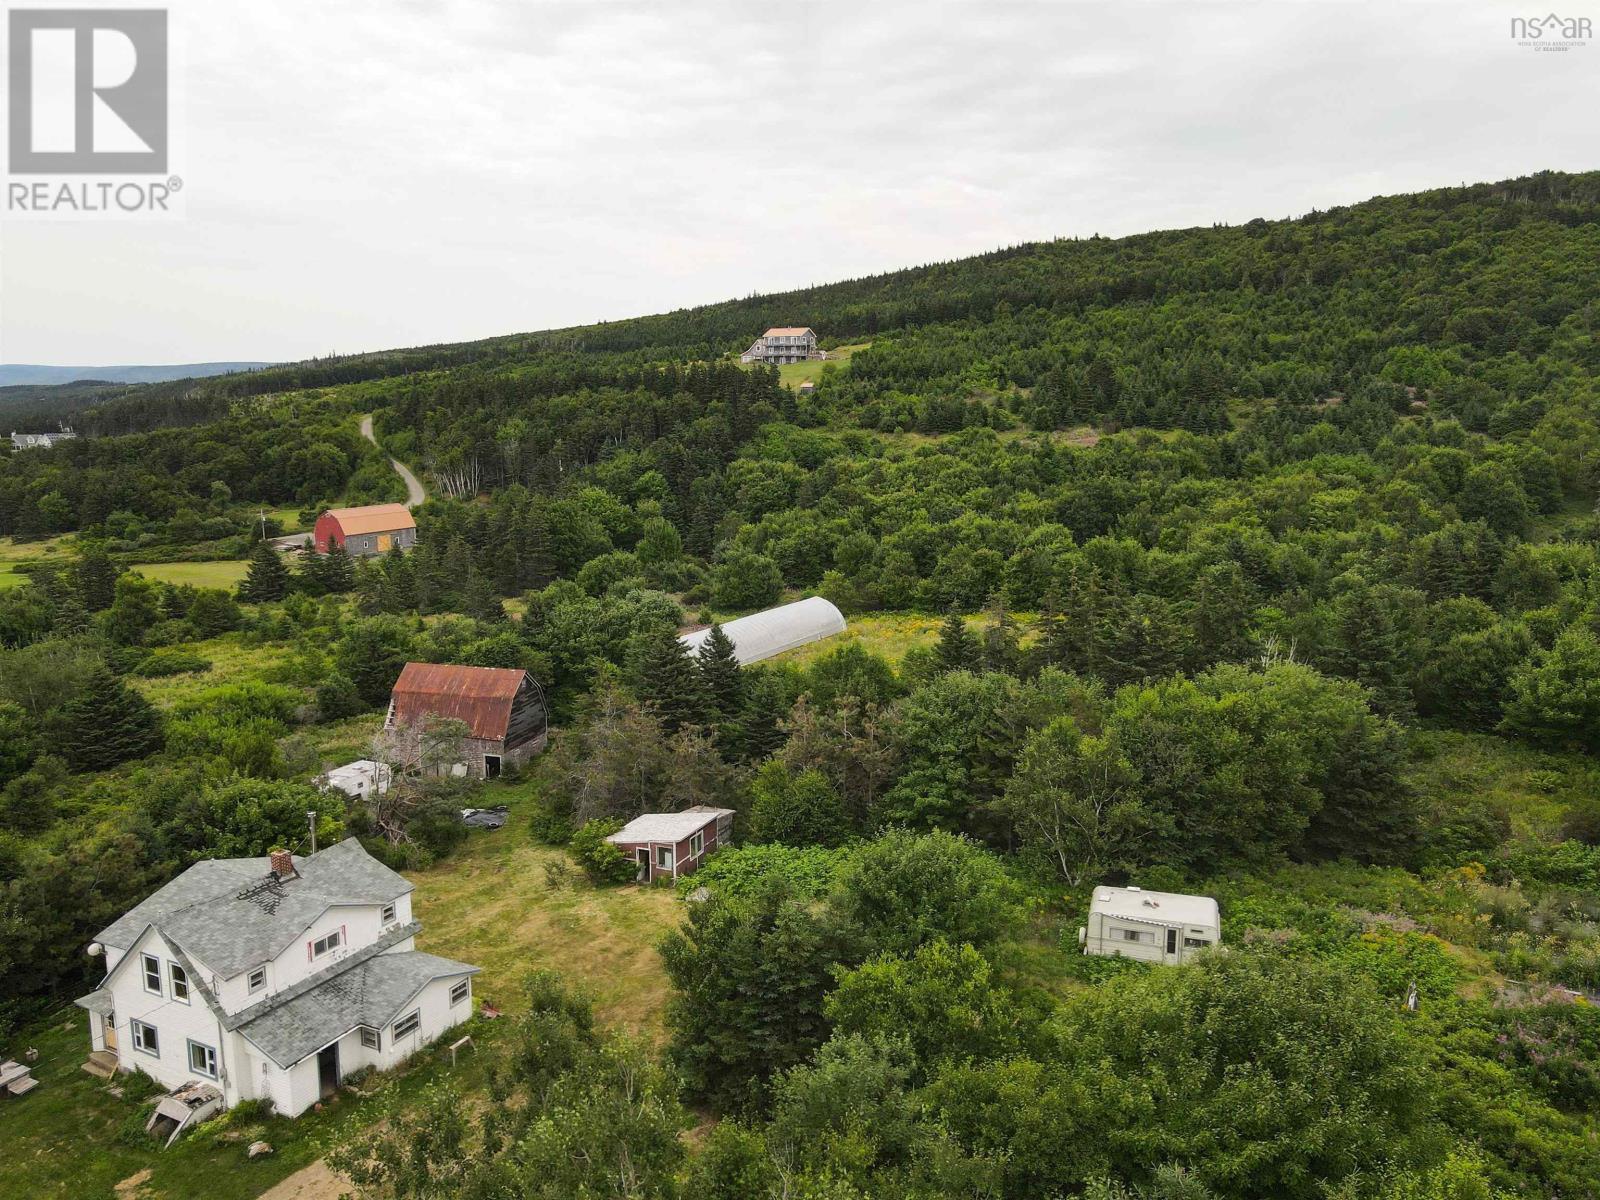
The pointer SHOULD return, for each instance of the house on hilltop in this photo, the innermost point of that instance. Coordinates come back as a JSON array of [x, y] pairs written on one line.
[[39, 441], [503, 709], [270, 979], [370, 529], [783, 344]]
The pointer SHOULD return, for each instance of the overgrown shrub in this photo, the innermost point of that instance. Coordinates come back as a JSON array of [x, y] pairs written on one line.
[[604, 862]]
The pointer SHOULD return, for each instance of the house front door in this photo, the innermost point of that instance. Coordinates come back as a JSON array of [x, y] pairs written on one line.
[[643, 873], [328, 1070], [1172, 943], [109, 1029]]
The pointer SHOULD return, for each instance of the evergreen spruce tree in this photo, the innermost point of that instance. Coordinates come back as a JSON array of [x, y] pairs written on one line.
[[96, 577], [667, 680], [722, 681], [267, 579], [338, 573], [106, 724], [480, 602], [1001, 647], [398, 591], [956, 651]]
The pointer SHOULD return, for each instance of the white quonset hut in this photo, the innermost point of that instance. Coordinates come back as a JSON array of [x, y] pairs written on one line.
[[772, 631], [1162, 927]]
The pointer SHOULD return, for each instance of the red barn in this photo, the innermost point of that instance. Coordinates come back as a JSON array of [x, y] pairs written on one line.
[[370, 529], [667, 845], [503, 709]]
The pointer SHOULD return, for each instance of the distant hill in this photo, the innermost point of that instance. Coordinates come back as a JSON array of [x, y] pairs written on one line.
[[14, 374]]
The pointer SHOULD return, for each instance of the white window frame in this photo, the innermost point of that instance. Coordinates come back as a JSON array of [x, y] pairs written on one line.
[[371, 1038], [151, 966], [406, 1025], [388, 915], [250, 980], [664, 857], [178, 981], [697, 844], [210, 1056], [139, 1033], [464, 988], [327, 943]]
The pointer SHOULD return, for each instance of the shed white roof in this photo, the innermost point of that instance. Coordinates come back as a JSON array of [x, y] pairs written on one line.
[[774, 630], [1169, 908], [668, 827]]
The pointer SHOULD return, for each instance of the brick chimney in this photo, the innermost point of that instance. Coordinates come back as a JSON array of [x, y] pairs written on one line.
[[282, 863]]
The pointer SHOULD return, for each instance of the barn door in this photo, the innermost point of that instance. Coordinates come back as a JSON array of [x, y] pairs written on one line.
[[384, 542]]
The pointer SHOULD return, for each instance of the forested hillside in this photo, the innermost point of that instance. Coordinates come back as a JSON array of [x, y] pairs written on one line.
[[1263, 563]]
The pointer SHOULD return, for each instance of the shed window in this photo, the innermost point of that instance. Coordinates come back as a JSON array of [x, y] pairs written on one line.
[[664, 857], [371, 1038], [257, 979], [152, 974], [697, 844], [144, 1038], [1194, 943], [203, 1060], [1134, 935], [460, 992], [408, 1023], [387, 915], [180, 982]]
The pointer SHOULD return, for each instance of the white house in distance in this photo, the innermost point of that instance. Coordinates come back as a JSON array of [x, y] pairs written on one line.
[[1160, 927], [783, 344], [771, 631], [271, 978]]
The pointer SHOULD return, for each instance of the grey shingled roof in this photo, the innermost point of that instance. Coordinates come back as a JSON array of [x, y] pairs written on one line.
[[233, 914], [371, 993]]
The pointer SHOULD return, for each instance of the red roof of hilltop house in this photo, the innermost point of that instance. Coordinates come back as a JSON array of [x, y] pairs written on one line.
[[373, 518], [480, 696]]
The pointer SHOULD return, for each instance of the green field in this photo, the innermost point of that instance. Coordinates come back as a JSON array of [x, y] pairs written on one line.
[[794, 374], [224, 574]]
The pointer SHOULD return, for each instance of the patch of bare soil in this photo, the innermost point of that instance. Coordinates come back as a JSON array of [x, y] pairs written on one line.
[[316, 1182], [132, 1187]]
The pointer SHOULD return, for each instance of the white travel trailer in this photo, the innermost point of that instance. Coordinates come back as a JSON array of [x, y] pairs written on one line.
[[1160, 927]]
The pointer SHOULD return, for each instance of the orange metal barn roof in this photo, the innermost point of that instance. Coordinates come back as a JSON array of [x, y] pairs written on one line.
[[480, 696], [373, 518]]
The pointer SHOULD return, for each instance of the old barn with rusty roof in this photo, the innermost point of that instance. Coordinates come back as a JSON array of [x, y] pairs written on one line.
[[503, 710], [370, 529]]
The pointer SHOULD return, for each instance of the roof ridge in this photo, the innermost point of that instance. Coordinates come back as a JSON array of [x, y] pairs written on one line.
[[329, 973]]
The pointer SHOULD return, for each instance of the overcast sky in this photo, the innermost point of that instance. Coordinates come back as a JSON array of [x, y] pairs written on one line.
[[365, 174]]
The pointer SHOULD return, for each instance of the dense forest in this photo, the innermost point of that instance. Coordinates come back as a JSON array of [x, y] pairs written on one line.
[[1263, 561]]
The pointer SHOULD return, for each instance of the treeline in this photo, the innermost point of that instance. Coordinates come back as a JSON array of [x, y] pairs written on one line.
[[122, 487]]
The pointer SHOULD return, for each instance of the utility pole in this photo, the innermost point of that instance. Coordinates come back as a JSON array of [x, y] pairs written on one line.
[[311, 819]]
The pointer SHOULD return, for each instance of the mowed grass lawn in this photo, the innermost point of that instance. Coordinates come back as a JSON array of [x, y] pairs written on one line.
[[224, 574], [510, 905], [15, 555], [500, 902], [794, 374]]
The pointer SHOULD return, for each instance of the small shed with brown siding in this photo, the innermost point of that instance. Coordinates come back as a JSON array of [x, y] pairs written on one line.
[[503, 708], [370, 529], [667, 845]]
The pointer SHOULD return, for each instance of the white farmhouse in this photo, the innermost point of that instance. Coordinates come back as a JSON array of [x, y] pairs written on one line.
[[271, 978], [1161, 927]]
